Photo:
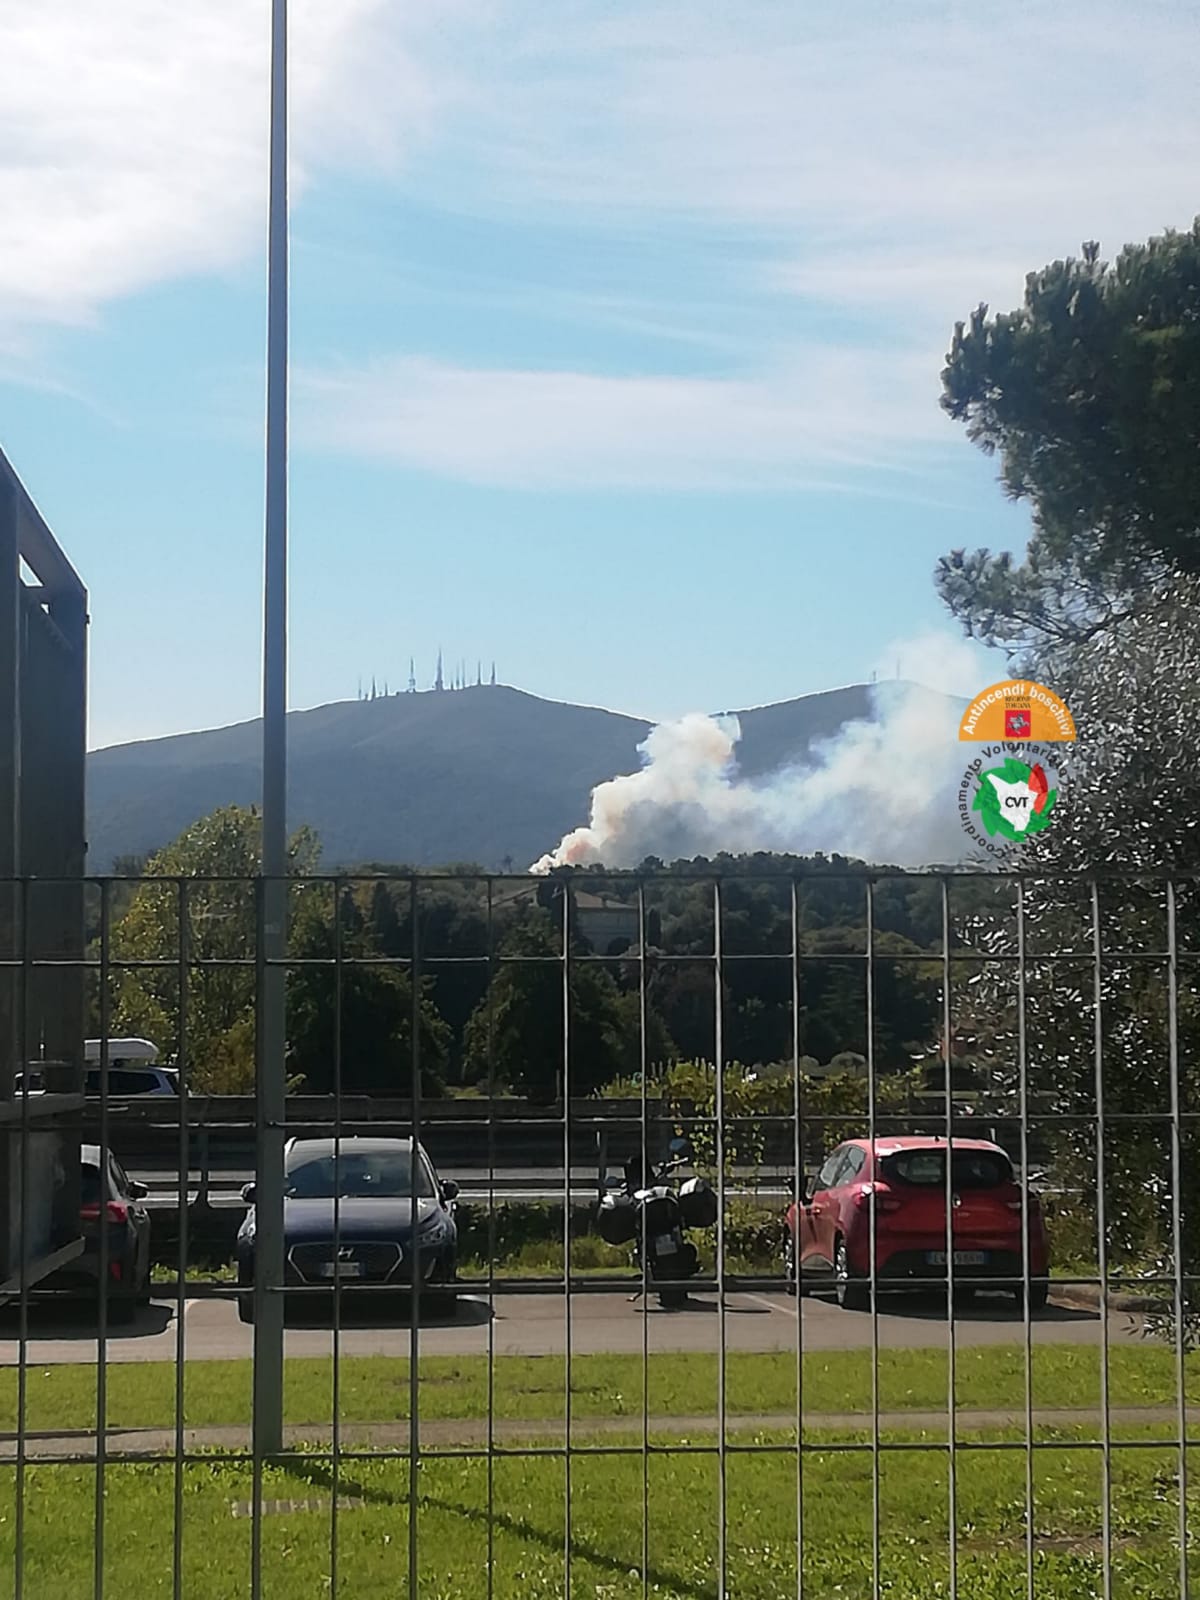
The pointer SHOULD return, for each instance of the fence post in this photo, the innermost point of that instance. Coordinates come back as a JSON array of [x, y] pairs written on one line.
[[272, 929], [204, 1161]]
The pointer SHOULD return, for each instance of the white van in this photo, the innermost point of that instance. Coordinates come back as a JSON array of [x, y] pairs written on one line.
[[132, 1069]]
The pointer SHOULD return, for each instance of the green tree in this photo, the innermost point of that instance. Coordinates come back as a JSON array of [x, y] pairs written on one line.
[[1090, 395], [756, 900], [220, 856], [372, 1015], [451, 938], [519, 1025]]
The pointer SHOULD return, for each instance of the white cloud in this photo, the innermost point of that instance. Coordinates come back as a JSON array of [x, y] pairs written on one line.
[[887, 156], [891, 166], [827, 412], [923, 155], [133, 134], [880, 165], [886, 166]]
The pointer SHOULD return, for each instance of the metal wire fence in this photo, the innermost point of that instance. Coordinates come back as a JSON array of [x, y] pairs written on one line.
[[930, 1334]]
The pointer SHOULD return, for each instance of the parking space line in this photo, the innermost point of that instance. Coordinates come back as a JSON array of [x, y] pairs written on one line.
[[773, 1305]]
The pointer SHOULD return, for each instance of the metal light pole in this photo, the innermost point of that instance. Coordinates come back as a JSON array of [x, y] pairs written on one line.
[[272, 916]]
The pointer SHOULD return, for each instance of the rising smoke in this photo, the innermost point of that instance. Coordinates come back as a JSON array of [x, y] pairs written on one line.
[[882, 790]]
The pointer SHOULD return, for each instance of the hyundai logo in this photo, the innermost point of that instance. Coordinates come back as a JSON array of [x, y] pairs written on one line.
[[958, 1199], [346, 1253]]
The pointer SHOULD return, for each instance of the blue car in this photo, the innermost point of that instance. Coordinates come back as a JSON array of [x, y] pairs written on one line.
[[360, 1213]]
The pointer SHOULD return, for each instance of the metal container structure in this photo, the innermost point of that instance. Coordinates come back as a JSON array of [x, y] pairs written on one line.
[[43, 688]]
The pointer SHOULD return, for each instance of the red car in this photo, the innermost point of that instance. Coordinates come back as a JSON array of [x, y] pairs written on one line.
[[904, 1182]]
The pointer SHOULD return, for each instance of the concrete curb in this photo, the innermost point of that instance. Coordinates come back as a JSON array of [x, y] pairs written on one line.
[[1089, 1295]]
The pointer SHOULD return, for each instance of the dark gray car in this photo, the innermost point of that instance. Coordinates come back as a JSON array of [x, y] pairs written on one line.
[[111, 1200], [360, 1213]]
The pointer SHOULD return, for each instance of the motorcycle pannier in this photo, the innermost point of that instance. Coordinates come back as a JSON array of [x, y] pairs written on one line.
[[617, 1220], [697, 1204]]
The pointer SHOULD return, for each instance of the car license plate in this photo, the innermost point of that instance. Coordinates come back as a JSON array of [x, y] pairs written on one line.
[[664, 1244], [341, 1269], [962, 1258]]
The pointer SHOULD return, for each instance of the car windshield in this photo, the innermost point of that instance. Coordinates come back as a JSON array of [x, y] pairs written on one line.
[[970, 1169], [379, 1173]]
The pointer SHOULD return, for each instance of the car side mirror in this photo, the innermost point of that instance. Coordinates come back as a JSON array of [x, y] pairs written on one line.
[[248, 1193], [449, 1190], [137, 1191], [810, 1187]]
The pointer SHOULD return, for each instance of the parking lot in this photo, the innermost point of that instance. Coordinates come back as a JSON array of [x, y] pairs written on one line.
[[537, 1324]]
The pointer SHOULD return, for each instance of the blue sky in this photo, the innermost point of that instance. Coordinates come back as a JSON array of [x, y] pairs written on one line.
[[616, 329]]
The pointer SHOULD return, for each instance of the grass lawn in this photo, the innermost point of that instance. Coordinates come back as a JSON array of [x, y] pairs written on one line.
[[376, 1388], [514, 1516]]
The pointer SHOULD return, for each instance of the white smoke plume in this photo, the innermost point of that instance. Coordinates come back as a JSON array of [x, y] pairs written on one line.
[[883, 791]]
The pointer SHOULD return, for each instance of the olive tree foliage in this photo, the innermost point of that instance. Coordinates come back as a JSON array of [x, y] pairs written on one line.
[[759, 1109], [1132, 806]]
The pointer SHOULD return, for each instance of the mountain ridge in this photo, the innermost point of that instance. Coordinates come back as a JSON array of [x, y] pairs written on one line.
[[486, 773]]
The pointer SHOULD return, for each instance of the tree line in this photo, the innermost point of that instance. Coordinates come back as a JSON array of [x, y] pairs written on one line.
[[494, 1005]]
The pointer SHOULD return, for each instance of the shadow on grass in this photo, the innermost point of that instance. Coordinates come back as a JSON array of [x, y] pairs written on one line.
[[519, 1527], [580, 1550]]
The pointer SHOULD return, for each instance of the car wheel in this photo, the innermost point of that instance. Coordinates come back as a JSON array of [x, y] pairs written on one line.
[[789, 1264], [1039, 1294], [852, 1293]]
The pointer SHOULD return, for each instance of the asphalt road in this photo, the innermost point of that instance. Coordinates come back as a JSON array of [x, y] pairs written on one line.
[[536, 1324]]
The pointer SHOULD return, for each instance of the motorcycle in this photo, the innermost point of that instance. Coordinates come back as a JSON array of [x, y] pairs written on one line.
[[648, 1212]]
